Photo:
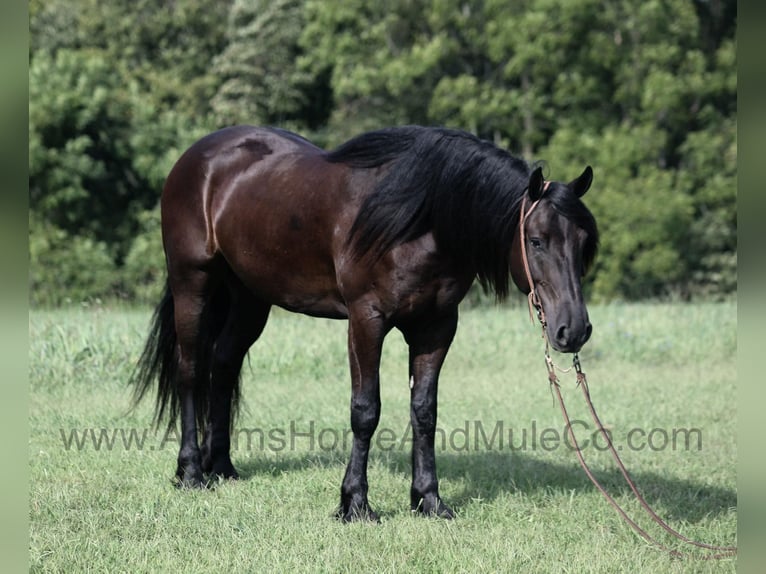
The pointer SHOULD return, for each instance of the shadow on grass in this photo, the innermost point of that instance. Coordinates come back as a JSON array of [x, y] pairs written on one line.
[[292, 462], [489, 475]]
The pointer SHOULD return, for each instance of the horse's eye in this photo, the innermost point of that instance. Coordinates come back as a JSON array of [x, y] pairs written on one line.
[[535, 242]]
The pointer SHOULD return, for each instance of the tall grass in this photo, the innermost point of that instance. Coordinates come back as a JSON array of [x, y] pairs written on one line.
[[524, 506]]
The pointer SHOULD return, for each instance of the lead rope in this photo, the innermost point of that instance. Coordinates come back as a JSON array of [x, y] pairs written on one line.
[[582, 383]]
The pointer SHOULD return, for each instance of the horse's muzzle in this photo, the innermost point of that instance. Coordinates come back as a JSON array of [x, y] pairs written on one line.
[[569, 339]]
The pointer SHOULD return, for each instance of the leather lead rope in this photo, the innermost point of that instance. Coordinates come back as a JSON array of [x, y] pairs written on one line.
[[582, 383]]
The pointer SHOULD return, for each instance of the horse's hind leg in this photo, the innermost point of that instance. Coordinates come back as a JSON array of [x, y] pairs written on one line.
[[190, 293], [245, 321]]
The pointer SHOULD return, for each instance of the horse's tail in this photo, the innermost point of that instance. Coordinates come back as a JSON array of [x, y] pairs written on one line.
[[159, 361]]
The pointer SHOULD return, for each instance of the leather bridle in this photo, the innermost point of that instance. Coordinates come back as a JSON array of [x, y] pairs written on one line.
[[532, 297]]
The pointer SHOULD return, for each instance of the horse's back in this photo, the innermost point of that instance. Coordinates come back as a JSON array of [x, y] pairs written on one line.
[[229, 151]]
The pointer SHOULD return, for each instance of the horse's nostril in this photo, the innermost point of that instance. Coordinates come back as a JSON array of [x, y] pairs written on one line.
[[566, 339]]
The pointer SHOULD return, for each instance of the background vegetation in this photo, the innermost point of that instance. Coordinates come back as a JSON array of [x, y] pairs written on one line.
[[644, 91]]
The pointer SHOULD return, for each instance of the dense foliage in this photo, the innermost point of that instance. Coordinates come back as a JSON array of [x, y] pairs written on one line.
[[644, 91]]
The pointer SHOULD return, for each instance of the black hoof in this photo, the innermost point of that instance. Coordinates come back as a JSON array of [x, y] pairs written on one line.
[[190, 483], [225, 470], [355, 514], [433, 507], [189, 479]]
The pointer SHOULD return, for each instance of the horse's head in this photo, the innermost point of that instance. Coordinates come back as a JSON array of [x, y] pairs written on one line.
[[558, 237]]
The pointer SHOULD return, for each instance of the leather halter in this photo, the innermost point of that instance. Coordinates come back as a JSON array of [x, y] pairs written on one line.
[[534, 300]]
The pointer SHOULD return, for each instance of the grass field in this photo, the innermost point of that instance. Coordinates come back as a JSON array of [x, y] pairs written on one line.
[[663, 377]]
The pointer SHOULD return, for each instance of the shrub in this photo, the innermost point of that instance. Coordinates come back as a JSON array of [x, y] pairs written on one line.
[[67, 268], [143, 272]]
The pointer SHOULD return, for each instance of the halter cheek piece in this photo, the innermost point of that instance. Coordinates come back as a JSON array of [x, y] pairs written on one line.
[[534, 300]]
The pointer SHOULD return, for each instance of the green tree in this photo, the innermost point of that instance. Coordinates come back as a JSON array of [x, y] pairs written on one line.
[[81, 177], [259, 79], [663, 145], [117, 91], [645, 92], [365, 49]]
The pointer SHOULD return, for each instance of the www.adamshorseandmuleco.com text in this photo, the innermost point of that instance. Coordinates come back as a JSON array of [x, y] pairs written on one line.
[[471, 436]]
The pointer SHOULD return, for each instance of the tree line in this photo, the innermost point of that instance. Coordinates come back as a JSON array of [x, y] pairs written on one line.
[[645, 91]]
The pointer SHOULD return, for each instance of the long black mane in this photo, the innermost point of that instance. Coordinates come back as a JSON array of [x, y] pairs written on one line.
[[465, 190]]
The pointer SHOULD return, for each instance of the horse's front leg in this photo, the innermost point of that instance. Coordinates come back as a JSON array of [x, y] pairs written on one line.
[[428, 343], [365, 340]]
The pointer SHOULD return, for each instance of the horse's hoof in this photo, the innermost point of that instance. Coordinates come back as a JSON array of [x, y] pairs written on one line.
[[189, 480], [358, 515], [435, 509], [225, 471]]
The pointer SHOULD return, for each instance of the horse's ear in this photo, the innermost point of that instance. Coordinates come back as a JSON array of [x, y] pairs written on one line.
[[580, 185], [536, 184]]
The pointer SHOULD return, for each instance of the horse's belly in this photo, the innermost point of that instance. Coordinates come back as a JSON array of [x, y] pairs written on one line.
[[328, 307], [298, 284]]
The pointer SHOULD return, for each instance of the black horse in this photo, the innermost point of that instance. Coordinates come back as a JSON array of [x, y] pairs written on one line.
[[389, 230]]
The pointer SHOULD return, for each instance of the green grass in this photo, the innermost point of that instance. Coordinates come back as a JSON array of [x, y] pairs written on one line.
[[522, 508]]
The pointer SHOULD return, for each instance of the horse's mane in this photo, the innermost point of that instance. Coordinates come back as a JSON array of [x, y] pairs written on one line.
[[465, 190]]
